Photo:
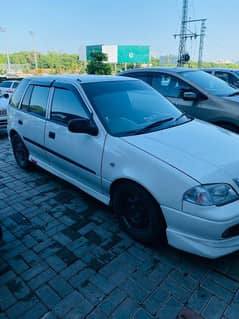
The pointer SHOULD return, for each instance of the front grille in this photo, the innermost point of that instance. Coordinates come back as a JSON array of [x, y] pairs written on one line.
[[3, 123], [231, 232]]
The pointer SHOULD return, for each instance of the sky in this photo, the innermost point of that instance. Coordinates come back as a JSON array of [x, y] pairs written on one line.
[[69, 25]]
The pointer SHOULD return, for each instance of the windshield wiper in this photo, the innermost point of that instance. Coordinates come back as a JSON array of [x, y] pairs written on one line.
[[154, 124], [182, 115], [234, 93], [146, 128]]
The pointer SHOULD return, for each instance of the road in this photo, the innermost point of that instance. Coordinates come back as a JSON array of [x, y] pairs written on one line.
[[64, 256]]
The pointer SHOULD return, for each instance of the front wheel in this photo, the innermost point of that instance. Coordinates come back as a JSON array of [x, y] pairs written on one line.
[[138, 212], [20, 152]]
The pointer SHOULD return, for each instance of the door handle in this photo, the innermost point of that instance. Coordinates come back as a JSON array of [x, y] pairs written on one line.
[[52, 135], [20, 122]]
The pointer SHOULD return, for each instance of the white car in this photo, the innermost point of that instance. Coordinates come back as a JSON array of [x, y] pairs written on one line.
[[123, 143], [3, 112], [8, 86]]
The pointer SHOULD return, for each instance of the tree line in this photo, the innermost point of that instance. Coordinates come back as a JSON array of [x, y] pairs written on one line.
[[55, 62]]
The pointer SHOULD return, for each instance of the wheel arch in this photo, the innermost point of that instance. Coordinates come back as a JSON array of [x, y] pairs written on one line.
[[12, 133], [128, 180]]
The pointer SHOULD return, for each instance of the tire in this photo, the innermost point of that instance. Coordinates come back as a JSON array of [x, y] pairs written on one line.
[[20, 152], [139, 214]]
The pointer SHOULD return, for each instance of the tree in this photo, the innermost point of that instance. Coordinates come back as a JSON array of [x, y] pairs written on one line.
[[97, 64]]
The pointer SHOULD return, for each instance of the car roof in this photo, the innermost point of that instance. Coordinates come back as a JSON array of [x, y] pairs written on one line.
[[162, 69], [80, 78], [220, 69]]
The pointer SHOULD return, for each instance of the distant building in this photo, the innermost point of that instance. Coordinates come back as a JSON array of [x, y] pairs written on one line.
[[139, 54], [168, 59]]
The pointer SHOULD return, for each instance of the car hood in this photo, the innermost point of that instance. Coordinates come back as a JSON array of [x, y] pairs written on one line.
[[205, 152]]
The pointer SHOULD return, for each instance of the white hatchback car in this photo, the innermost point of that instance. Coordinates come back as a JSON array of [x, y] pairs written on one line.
[[8, 86], [123, 143]]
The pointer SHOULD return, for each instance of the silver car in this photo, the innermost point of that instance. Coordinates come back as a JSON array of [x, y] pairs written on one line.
[[194, 92], [4, 99], [231, 76]]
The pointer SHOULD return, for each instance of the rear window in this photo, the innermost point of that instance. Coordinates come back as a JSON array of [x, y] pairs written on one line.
[[16, 97], [6, 84]]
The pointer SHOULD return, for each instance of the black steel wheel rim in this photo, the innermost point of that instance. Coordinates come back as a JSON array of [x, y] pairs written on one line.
[[135, 212]]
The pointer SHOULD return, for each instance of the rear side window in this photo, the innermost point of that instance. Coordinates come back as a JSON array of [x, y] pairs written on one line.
[[35, 100], [17, 95], [26, 99], [38, 101]]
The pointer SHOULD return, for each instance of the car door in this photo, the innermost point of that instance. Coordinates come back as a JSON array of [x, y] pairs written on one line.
[[76, 155], [31, 120]]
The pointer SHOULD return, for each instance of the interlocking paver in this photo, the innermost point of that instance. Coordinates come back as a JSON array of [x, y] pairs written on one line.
[[64, 256]]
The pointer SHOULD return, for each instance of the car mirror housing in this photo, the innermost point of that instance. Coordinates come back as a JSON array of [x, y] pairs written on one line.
[[190, 96], [6, 95], [82, 125]]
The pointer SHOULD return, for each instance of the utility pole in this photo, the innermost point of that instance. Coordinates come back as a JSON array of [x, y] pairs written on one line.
[[186, 33], [7, 53], [183, 31], [32, 34], [201, 44]]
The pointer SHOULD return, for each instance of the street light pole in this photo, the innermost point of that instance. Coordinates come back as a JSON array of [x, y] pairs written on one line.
[[33, 34], [4, 30]]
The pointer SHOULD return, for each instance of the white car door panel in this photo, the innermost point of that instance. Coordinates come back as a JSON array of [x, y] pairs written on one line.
[[31, 120], [77, 154]]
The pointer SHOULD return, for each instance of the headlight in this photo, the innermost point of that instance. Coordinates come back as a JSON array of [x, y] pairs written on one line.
[[213, 194]]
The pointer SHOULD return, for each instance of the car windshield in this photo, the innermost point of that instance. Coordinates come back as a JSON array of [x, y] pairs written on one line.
[[131, 107], [236, 72], [209, 83]]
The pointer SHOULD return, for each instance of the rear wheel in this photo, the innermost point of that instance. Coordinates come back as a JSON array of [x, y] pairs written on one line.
[[138, 212], [20, 152]]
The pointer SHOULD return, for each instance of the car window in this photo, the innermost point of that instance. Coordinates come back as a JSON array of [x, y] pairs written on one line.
[[26, 100], [128, 105], [15, 84], [6, 84], [66, 105], [38, 100], [208, 82], [141, 76], [17, 95], [169, 85], [223, 76]]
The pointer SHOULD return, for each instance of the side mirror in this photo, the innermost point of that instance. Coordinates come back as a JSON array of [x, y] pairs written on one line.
[[190, 96], [82, 125], [6, 95]]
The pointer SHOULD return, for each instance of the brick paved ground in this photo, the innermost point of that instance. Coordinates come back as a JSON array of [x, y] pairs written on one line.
[[63, 256]]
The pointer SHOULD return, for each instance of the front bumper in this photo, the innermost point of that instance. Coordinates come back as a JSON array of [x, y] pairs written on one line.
[[200, 235]]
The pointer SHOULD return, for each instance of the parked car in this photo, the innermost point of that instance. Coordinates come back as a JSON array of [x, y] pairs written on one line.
[[195, 92], [231, 76], [123, 143], [4, 99], [8, 86]]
